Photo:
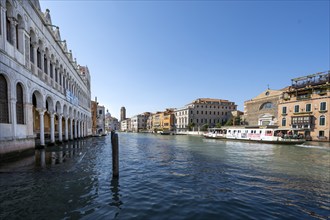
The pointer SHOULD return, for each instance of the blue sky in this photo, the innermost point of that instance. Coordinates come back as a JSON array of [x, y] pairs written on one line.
[[152, 55]]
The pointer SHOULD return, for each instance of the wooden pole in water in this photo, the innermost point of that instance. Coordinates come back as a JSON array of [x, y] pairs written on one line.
[[115, 155]]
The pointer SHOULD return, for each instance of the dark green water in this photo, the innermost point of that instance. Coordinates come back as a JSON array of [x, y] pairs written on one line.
[[168, 177]]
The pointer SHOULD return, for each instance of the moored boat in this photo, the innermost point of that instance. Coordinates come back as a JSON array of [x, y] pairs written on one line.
[[256, 134], [215, 133]]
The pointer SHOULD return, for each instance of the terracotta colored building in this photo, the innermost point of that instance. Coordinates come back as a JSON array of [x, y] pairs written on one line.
[[304, 107]]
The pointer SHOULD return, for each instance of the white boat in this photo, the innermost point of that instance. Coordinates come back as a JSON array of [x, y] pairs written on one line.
[[216, 133], [256, 134]]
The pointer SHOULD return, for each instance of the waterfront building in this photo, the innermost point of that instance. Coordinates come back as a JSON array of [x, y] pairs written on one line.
[[94, 105], [237, 118], [149, 125], [168, 120], [263, 109], [123, 125], [304, 106], [182, 116], [100, 126], [202, 113], [111, 123], [44, 93], [163, 121], [139, 122], [122, 113]]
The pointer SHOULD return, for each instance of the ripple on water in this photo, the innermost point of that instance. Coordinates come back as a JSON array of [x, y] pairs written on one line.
[[174, 177]]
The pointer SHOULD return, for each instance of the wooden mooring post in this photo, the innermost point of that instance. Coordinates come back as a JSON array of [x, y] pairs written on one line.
[[115, 155]]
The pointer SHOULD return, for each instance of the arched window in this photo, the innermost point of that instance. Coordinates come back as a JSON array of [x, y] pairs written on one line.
[[45, 64], [38, 58], [8, 25], [266, 105], [19, 104], [322, 120], [4, 117], [31, 51]]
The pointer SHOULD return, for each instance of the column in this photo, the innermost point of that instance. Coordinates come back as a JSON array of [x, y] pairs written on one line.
[[60, 138], [79, 129], [35, 58], [52, 128], [42, 126], [83, 129], [66, 128], [13, 115], [53, 74], [42, 66], [71, 130], [3, 24], [75, 129], [48, 66], [13, 24]]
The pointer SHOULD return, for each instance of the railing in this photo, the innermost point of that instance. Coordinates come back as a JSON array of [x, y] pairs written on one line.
[[312, 80]]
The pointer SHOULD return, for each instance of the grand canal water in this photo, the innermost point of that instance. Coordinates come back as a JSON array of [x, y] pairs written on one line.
[[168, 177]]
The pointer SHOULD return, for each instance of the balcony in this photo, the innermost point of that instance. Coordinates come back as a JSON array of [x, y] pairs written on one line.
[[304, 96]]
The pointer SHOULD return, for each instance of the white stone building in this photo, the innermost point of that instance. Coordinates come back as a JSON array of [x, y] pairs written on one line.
[[44, 94], [139, 122], [124, 125], [111, 123], [203, 112]]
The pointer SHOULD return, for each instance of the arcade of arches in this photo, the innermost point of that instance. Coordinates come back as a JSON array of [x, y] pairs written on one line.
[[33, 115]]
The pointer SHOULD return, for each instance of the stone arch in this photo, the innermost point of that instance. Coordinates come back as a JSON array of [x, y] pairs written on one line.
[[70, 112], [58, 108], [65, 110], [8, 21], [266, 105], [39, 99], [50, 104], [58, 121], [45, 60], [9, 8], [50, 109], [33, 36], [21, 23]]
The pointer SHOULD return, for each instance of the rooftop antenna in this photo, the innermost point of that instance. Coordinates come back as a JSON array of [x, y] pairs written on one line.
[[268, 86]]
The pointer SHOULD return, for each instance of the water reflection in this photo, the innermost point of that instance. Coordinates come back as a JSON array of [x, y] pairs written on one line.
[[50, 156], [116, 202]]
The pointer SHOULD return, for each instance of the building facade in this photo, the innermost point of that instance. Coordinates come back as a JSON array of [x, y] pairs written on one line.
[[44, 93], [139, 122], [123, 125], [304, 107], [111, 123], [100, 126], [203, 112], [263, 109], [94, 116]]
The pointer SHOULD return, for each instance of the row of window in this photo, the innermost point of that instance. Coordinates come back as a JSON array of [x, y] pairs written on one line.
[[304, 121], [202, 112], [42, 61], [222, 107], [308, 108]]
